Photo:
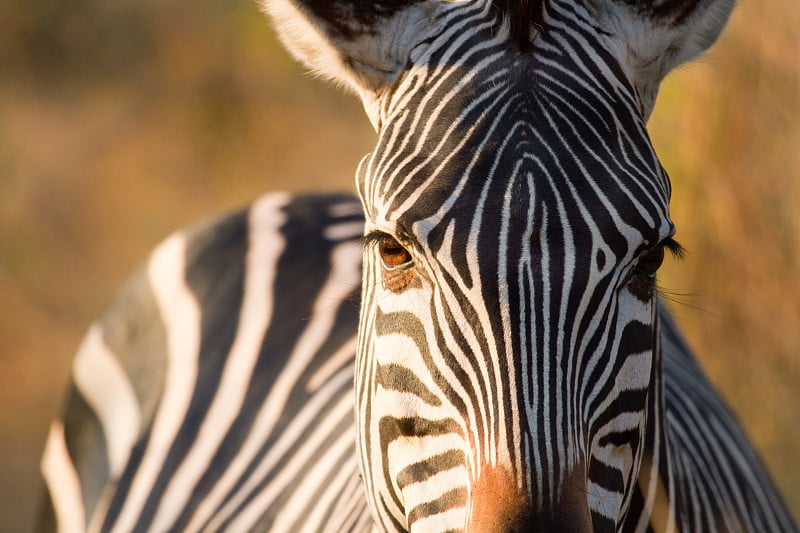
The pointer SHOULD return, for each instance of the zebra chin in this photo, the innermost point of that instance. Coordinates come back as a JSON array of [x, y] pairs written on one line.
[[499, 505]]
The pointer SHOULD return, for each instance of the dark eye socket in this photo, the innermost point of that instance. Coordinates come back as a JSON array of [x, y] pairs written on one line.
[[392, 253], [651, 261], [642, 280]]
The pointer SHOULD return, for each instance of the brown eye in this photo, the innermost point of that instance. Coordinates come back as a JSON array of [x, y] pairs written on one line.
[[392, 253]]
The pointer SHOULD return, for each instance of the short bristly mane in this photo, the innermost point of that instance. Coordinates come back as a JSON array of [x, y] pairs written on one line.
[[523, 15]]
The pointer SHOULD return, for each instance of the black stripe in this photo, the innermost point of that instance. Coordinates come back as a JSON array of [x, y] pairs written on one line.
[[431, 466], [401, 379], [452, 498]]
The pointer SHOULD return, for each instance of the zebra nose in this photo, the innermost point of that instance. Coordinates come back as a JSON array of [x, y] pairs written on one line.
[[499, 505]]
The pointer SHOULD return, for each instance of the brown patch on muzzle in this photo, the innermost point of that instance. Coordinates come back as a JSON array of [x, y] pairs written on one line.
[[497, 504]]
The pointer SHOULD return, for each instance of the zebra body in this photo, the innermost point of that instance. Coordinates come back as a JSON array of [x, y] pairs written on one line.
[[513, 369], [297, 471], [216, 392]]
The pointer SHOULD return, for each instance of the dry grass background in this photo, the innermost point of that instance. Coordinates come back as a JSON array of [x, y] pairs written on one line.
[[122, 121]]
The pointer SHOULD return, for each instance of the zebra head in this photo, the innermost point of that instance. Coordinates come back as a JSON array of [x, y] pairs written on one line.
[[507, 372]]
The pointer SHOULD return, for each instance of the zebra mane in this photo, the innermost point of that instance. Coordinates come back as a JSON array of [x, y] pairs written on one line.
[[523, 15]]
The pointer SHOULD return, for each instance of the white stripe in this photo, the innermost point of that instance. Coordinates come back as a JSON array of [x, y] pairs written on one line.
[[347, 208], [105, 386], [265, 247], [62, 482], [181, 316], [330, 499], [436, 486], [344, 230]]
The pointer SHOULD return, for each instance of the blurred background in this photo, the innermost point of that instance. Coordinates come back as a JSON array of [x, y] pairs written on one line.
[[123, 120]]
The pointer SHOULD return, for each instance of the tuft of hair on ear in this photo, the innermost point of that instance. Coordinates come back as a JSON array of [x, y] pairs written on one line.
[[523, 16]]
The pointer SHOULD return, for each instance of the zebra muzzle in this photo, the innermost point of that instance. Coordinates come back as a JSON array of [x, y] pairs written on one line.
[[499, 505]]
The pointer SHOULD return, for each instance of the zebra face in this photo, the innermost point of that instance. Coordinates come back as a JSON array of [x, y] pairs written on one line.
[[517, 215], [516, 218]]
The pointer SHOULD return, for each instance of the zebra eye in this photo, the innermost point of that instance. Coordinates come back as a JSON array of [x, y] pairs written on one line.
[[392, 253], [650, 262], [397, 270], [642, 280]]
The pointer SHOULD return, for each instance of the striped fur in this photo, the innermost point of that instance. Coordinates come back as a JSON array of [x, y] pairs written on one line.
[[516, 214], [526, 197], [511, 370], [310, 481], [216, 392]]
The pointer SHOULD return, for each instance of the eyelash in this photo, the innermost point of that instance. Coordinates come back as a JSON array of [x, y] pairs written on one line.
[[675, 248], [372, 238]]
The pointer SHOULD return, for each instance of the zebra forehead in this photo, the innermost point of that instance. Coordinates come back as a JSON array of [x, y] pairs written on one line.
[[448, 142], [480, 123], [523, 187]]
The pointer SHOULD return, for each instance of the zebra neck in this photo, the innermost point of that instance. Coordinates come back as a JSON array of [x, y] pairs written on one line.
[[652, 504]]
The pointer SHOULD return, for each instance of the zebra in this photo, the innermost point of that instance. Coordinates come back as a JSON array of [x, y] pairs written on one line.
[[509, 366], [477, 107], [289, 443], [300, 470]]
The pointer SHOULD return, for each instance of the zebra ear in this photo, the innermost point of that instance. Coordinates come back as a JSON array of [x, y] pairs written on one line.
[[657, 36], [361, 44]]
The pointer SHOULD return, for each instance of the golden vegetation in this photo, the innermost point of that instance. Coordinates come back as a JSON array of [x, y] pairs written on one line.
[[122, 121]]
